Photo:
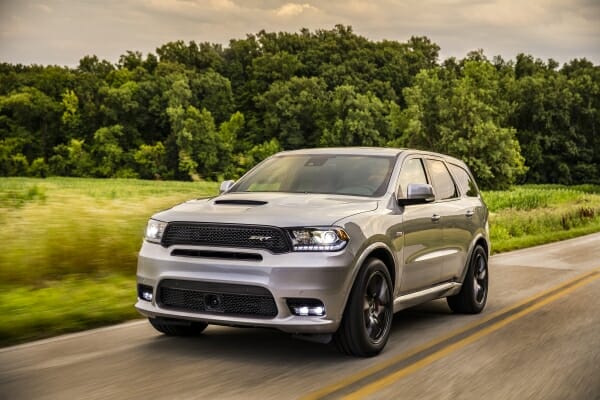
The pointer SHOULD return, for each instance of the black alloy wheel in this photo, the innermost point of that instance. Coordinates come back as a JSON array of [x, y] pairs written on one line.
[[474, 292], [367, 320]]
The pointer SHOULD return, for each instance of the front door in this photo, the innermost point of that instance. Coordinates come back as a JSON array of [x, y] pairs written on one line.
[[422, 233]]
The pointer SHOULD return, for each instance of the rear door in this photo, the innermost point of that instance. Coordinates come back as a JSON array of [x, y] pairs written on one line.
[[449, 253], [466, 215]]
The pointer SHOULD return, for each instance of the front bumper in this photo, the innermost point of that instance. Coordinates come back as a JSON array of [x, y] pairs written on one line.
[[325, 276]]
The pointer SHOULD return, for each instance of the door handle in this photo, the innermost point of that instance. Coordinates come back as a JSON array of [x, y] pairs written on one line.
[[470, 213], [435, 217]]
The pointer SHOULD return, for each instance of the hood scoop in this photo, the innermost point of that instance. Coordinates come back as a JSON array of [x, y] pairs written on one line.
[[241, 202]]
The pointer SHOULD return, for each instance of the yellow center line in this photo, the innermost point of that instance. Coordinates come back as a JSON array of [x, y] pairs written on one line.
[[391, 378], [383, 365]]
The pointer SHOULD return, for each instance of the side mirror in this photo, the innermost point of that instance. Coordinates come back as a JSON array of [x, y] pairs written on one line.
[[418, 193], [225, 186]]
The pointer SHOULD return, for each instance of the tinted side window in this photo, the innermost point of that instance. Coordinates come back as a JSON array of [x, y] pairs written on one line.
[[464, 180], [412, 172], [442, 181]]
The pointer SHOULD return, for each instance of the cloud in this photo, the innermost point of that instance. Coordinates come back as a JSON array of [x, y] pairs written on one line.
[[293, 9], [29, 33], [190, 8]]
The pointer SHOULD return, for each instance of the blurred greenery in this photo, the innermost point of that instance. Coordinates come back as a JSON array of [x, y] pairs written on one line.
[[69, 245], [63, 226], [67, 305], [69, 249]]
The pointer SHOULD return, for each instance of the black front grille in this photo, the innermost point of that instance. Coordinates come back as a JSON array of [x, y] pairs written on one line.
[[225, 255], [226, 235], [208, 297]]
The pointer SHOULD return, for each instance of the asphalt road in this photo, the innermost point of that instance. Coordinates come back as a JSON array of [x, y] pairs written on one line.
[[539, 338]]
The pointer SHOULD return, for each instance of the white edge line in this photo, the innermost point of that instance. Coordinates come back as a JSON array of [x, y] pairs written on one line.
[[73, 335], [542, 246]]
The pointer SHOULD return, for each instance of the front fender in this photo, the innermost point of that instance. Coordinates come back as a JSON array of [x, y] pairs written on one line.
[[368, 248]]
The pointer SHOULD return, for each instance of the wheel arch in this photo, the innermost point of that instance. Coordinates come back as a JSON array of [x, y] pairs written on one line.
[[383, 254], [378, 250], [483, 242]]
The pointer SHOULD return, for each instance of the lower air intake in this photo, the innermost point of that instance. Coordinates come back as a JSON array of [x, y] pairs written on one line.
[[206, 297]]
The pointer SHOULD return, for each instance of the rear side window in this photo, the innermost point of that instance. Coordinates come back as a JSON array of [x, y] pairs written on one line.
[[412, 172], [464, 180], [442, 181]]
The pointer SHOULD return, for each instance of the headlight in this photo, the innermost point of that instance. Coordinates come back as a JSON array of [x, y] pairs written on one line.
[[318, 239], [154, 231]]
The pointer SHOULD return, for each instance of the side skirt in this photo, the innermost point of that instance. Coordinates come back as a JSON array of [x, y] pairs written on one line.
[[422, 296]]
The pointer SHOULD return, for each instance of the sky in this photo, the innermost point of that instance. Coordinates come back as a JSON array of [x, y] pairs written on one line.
[[61, 32]]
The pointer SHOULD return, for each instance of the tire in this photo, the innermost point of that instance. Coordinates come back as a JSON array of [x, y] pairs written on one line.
[[473, 295], [177, 327], [367, 319]]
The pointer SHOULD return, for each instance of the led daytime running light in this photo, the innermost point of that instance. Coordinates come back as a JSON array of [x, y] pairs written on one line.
[[318, 239]]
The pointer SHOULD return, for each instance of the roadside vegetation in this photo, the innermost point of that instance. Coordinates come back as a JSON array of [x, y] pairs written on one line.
[[69, 245], [69, 248], [530, 215]]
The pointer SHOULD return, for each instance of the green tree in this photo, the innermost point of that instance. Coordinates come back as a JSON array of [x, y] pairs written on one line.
[[92, 65], [71, 160], [107, 155], [227, 143], [151, 161], [212, 91], [70, 120], [12, 160], [131, 60], [465, 118], [292, 112], [270, 68], [274, 90], [193, 131], [33, 116], [198, 141], [557, 120], [202, 57], [38, 168], [357, 119]]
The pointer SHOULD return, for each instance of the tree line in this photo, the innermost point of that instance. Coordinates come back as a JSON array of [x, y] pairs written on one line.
[[204, 111]]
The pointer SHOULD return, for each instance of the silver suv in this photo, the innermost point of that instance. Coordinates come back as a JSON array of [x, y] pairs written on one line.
[[323, 243]]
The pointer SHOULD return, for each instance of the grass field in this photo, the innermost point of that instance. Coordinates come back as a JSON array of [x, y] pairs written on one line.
[[69, 249], [69, 245], [530, 215]]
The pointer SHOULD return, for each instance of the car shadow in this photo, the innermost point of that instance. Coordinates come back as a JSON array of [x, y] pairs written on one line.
[[261, 345]]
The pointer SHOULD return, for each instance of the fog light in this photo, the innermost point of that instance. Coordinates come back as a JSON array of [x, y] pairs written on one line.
[[306, 307], [303, 310], [147, 296], [145, 292]]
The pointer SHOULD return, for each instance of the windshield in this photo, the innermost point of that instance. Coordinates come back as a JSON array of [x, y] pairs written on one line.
[[354, 175]]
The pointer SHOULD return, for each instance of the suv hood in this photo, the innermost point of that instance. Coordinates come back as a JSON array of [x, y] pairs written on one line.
[[275, 209]]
